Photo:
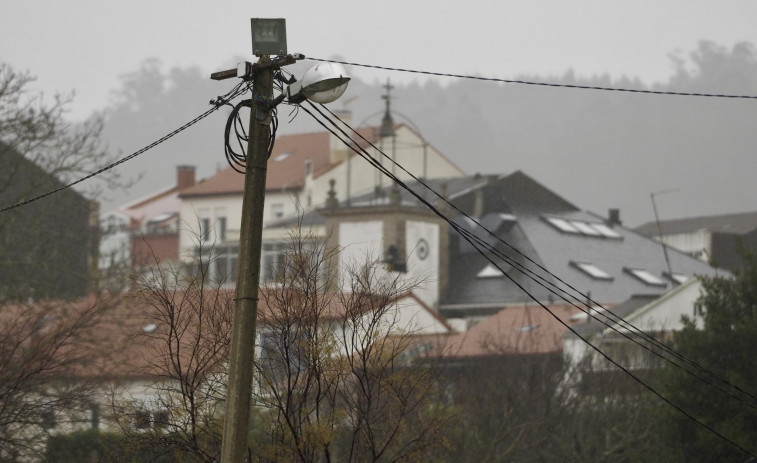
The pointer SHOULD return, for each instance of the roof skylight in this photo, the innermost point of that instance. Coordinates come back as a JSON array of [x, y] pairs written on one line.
[[562, 225], [282, 156], [605, 230], [585, 228], [646, 276], [581, 227], [592, 270]]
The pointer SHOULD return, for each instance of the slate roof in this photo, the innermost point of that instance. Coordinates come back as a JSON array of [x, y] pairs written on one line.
[[518, 210], [542, 244], [737, 224]]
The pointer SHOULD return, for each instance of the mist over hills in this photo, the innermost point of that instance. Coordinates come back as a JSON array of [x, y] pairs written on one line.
[[597, 149]]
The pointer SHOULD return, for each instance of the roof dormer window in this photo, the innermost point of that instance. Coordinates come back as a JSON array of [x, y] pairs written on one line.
[[490, 271]]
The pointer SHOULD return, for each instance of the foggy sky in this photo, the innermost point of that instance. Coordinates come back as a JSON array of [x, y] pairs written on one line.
[[598, 151], [85, 45]]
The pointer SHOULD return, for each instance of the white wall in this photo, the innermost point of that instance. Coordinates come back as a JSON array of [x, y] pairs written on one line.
[[195, 208], [360, 243], [665, 313], [422, 246], [697, 243]]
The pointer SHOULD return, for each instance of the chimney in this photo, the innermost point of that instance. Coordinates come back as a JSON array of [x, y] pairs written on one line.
[[185, 177], [338, 151], [613, 217]]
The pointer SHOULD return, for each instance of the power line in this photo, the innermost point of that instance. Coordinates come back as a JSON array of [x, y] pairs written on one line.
[[381, 168], [542, 84], [220, 101], [608, 315]]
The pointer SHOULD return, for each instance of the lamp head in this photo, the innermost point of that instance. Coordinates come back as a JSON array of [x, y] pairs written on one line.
[[322, 83]]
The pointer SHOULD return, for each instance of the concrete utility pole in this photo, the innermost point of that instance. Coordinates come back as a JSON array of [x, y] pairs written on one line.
[[234, 446], [323, 83]]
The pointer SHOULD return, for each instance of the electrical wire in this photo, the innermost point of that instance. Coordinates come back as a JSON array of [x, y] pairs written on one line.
[[607, 315], [479, 249], [238, 159], [217, 103], [542, 84]]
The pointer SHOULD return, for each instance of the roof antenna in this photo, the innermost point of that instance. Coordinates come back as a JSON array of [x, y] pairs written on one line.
[[659, 231]]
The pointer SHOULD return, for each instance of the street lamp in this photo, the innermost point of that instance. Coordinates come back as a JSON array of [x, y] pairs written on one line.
[[322, 83]]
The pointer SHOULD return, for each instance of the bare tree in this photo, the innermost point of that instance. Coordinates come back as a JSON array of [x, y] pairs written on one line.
[[336, 381], [50, 352], [181, 327], [48, 323]]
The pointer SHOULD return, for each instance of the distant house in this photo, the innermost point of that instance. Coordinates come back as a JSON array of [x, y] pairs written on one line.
[[534, 227], [628, 332], [302, 169], [46, 245], [563, 248], [146, 230], [713, 239], [560, 243]]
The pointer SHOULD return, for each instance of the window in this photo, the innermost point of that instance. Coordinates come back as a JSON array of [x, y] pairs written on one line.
[[205, 229], [580, 227], [94, 416], [142, 419], [47, 418], [606, 231], [562, 225], [272, 261], [698, 310], [223, 268], [220, 216], [646, 276], [592, 270], [221, 229], [160, 419], [277, 211], [585, 228]]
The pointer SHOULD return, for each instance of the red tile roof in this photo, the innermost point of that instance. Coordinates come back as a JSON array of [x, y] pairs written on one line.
[[515, 330], [286, 167]]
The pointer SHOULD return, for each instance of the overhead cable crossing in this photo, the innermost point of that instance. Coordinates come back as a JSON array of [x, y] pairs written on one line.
[[602, 317], [542, 84], [480, 246]]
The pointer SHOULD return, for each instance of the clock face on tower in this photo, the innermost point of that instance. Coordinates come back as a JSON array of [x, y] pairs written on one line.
[[422, 249]]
